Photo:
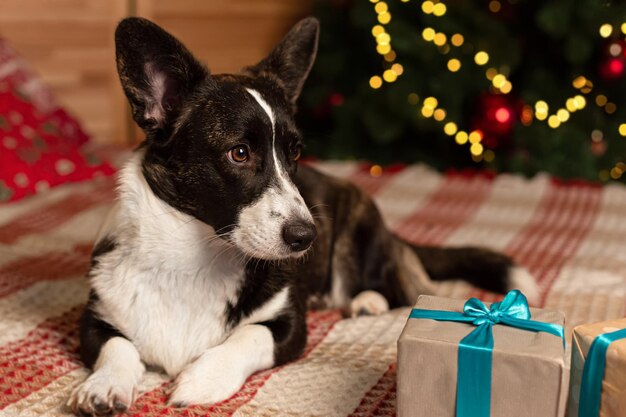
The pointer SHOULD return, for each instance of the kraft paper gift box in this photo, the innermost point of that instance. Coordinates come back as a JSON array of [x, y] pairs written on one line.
[[604, 388], [528, 375]]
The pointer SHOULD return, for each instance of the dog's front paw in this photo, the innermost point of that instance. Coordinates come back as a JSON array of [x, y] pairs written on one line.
[[103, 393], [194, 387]]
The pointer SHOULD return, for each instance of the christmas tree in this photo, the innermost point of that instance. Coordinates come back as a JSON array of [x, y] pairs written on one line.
[[509, 85]]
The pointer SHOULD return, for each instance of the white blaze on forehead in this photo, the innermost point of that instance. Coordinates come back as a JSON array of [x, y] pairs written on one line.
[[285, 184]]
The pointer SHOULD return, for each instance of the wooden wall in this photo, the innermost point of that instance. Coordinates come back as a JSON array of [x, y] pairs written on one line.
[[70, 44]]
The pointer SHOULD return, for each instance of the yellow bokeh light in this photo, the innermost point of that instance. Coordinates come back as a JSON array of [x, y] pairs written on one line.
[[490, 73], [383, 49], [377, 30], [562, 115], [444, 49], [476, 149], [427, 111], [622, 129], [481, 58], [450, 128], [390, 56], [413, 98], [381, 7], [428, 34], [439, 115], [579, 82], [610, 108], [606, 30], [499, 80], [461, 138], [376, 82], [376, 171], [397, 68], [506, 88], [475, 136], [430, 102], [489, 155], [457, 39], [439, 9], [494, 6], [374, 1], [454, 65], [570, 104], [601, 100], [428, 6], [440, 39], [554, 121], [580, 102], [623, 28], [616, 173], [541, 107], [389, 76], [541, 116], [383, 39], [384, 18]]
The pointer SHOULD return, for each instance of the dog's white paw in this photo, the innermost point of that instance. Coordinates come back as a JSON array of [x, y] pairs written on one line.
[[104, 393], [193, 387], [520, 279], [368, 303]]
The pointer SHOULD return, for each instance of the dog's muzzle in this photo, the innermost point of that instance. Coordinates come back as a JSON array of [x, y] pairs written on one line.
[[299, 235]]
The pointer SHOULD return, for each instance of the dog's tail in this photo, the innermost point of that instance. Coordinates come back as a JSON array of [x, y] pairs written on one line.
[[480, 267]]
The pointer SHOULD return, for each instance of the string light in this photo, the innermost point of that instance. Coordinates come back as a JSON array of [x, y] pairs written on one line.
[[461, 138], [428, 7], [481, 58], [376, 82], [497, 77], [428, 34], [606, 30], [439, 9], [457, 39], [494, 6], [450, 129], [454, 65]]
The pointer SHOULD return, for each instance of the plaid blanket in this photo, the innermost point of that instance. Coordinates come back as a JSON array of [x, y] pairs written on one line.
[[569, 235]]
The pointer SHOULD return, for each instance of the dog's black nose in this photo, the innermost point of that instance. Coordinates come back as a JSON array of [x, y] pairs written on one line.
[[299, 235]]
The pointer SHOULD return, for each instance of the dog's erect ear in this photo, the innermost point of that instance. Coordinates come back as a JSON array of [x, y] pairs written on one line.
[[157, 72], [292, 59]]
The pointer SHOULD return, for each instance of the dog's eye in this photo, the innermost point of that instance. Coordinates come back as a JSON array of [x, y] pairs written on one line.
[[239, 154], [296, 152]]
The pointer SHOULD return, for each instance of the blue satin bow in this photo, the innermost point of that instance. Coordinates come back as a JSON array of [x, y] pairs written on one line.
[[473, 398]]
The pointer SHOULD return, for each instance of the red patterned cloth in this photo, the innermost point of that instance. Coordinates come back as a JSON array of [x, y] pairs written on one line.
[[570, 236], [41, 146]]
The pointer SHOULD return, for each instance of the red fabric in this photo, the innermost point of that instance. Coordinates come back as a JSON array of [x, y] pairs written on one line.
[[39, 151]]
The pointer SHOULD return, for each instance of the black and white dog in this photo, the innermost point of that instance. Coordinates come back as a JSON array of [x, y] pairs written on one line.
[[219, 241]]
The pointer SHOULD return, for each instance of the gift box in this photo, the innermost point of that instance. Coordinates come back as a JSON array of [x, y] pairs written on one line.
[[458, 358], [598, 370]]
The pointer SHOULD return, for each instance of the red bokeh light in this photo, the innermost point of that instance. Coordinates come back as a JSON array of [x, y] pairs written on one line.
[[503, 115]]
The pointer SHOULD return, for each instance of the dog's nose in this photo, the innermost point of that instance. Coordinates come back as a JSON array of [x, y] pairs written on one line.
[[299, 235]]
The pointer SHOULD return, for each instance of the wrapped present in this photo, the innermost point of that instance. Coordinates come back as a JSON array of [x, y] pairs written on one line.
[[598, 371], [464, 359]]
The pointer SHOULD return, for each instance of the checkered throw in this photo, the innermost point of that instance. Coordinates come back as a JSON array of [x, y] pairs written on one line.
[[569, 235]]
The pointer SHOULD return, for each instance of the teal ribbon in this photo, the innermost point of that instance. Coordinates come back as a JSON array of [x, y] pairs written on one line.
[[473, 392], [593, 373]]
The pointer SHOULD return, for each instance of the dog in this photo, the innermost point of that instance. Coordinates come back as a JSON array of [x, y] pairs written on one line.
[[219, 241]]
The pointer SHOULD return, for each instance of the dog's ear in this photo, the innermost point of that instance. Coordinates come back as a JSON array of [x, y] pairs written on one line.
[[292, 59], [156, 71]]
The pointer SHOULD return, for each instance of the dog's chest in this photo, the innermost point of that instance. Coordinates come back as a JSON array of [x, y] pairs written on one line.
[[170, 315]]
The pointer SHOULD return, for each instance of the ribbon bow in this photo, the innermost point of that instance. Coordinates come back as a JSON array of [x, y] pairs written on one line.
[[475, 349]]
